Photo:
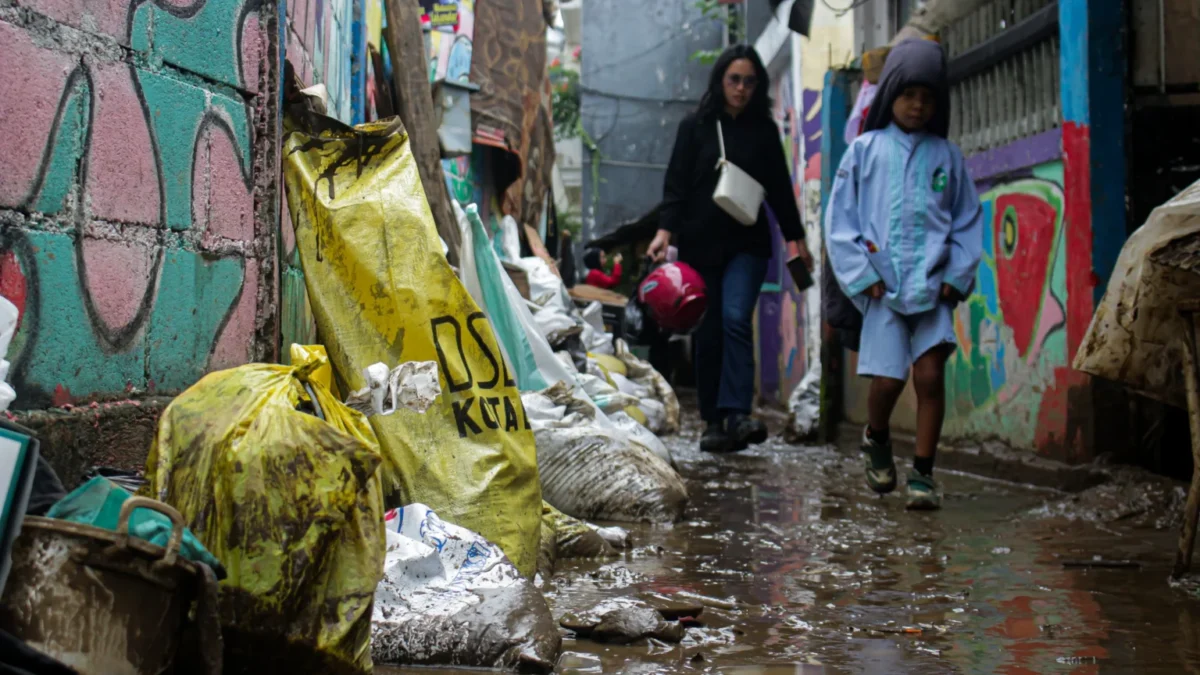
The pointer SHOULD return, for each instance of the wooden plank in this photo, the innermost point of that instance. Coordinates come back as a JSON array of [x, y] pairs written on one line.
[[603, 296], [410, 72], [519, 278]]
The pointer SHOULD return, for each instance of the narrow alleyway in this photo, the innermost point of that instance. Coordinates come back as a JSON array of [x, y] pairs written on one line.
[[828, 578]]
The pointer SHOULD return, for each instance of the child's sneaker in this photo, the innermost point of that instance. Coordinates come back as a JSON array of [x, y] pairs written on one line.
[[881, 467], [923, 493]]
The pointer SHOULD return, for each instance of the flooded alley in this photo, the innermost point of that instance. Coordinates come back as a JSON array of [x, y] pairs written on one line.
[[355, 337], [816, 574]]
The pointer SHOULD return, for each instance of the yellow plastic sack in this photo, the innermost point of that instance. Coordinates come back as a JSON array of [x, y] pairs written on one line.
[[637, 414], [382, 291], [609, 363], [291, 505]]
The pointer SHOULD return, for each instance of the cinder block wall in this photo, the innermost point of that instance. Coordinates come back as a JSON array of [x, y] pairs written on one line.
[[138, 202]]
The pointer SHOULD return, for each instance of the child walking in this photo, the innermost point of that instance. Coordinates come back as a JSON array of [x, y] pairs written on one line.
[[904, 235]]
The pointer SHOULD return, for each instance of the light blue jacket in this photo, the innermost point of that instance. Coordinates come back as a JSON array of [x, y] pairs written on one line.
[[911, 197]]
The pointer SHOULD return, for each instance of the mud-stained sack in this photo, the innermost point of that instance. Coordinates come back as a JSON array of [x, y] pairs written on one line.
[[566, 538], [643, 373], [600, 472], [382, 292], [278, 479], [451, 598]]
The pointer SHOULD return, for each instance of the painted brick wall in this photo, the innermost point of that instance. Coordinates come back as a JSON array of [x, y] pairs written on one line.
[[320, 44], [138, 192]]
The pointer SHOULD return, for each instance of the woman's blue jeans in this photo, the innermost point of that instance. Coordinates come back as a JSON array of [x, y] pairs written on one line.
[[724, 342]]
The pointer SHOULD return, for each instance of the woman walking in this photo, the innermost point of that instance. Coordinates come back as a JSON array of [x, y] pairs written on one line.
[[733, 121]]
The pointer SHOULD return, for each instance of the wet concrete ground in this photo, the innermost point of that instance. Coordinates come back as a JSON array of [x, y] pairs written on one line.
[[829, 578]]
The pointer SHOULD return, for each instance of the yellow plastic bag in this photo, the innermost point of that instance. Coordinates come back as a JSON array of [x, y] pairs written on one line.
[[609, 363], [290, 504], [382, 291]]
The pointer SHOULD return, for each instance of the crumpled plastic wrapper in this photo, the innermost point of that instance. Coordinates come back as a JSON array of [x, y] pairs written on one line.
[[413, 385]]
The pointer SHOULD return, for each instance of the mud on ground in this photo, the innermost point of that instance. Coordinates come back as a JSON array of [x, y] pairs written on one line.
[[818, 575]]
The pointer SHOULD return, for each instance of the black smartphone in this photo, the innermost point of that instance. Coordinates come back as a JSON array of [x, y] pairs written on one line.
[[800, 274]]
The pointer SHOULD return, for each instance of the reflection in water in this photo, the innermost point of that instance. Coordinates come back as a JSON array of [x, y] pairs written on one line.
[[828, 578]]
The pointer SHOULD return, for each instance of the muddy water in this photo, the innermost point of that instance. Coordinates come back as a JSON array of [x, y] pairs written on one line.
[[823, 577]]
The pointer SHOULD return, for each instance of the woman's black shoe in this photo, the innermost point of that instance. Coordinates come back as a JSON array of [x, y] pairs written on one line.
[[717, 441], [745, 430]]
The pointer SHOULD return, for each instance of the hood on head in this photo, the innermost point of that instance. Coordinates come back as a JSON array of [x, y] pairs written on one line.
[[914, 61]]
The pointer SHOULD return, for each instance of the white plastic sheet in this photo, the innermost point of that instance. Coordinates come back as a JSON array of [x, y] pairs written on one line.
[[804, 405], [550, 369], [8, 326], [641, 435], [1135, 335], [509, 240]]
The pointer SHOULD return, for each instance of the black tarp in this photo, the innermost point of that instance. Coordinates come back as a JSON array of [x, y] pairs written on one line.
[[800, 18]]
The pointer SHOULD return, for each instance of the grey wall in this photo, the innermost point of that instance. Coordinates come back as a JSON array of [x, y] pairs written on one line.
[[637, 83], [874, 24], [758, 15]]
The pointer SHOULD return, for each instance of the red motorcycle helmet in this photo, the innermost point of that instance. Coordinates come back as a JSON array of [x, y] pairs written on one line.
[[675, 295]]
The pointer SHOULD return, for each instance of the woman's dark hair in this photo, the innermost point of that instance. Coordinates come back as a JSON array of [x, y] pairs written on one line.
[[713, 101], [591, 258]]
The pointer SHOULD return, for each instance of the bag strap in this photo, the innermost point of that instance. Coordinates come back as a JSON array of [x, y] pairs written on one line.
[[721, 139]]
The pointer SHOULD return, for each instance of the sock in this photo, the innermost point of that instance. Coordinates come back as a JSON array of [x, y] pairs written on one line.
[[879, 437], [923, 465]]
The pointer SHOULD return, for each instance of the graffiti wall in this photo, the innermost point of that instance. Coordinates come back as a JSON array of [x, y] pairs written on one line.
[[788, 322], [320, 47], [135, 231], [451, 38], [1009, 376]]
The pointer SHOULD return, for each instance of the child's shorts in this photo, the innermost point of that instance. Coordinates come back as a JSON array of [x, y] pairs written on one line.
[[891, 341]]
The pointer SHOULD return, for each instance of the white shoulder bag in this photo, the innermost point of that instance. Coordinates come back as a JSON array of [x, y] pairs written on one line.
[[737, 193]]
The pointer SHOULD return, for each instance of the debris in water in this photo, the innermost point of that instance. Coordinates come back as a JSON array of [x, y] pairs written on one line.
[[673, 609], [1097, 561], [576, 662], [715, 603], [626, 625]]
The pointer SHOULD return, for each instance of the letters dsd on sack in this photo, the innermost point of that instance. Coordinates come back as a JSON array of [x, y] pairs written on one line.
[[474, 414]]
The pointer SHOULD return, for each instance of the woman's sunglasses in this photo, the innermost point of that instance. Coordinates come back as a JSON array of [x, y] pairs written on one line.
[[748, 81]]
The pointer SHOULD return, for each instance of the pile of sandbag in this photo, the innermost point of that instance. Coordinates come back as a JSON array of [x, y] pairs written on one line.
[[449, 597], [616, 381], [382, 290], [597, 471], [562, 323], [657, 399]]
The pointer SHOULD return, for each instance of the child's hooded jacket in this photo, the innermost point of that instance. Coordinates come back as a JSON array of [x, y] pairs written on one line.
[[903, 209]]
